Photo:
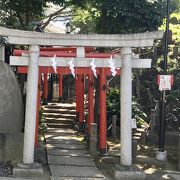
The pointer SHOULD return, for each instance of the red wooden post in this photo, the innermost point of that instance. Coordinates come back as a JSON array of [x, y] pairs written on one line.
[[77, 97], [90, 100], [60, 88], [45, 88], [102, 106], [37, 110], [81, 99]]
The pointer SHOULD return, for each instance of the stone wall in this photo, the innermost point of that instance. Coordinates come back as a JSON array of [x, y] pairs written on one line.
[[11, 147], [11, 116], [11, 107]]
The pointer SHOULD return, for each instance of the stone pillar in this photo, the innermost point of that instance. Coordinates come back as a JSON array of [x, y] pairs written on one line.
[[102, 119], [90, 100], [153, 121], [126, 107], [31, 104], [93, 139]]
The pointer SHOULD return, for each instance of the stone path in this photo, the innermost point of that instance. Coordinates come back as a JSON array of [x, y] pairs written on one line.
[[68, 157]]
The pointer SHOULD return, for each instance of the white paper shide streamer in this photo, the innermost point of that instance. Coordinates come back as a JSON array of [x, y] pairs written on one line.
[[54, 63], [93, 67], [71, 66], [112, 66]]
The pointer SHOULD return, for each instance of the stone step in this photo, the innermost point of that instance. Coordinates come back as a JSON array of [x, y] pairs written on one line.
[[59, 120], [60, 106], [64, 137], [62, 111], [75, 178], [68, 152], [75, 171], [46, 177], [136, 134], [137, 138], [66, 146], [56, 115], [139, 130], [70, 161], [61, 141], [59, 131], [59, 125]]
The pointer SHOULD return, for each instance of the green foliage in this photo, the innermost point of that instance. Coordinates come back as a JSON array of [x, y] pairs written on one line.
[[130, 16], [24, 14], [174, 26], [122, 16], [173, 97], [113, 107], [148, 77], [85, 19], [138, 113], [113, 101], [176, 5], [20, 12]]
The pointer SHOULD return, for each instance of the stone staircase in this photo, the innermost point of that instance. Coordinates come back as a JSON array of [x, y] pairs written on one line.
[[59, 115], [68, 157]]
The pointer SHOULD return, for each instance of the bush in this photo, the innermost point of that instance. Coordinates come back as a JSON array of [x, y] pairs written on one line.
[[113, 107]]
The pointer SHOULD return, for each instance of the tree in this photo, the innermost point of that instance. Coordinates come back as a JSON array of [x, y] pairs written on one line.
[[23, 14], [85, 19], [122, 16], [130, 16]]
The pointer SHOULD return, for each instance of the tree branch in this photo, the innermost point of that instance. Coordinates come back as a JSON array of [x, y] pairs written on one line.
[[64, 16], [51, 16]]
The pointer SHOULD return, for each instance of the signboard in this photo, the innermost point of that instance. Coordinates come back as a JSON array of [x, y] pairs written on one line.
[[165, 82], [134, 124]]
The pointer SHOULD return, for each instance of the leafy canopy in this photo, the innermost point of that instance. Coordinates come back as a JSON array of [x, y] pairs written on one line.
[[23, 13], [122, 16]]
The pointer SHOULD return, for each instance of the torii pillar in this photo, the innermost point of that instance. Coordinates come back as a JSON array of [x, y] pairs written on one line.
[[77, 97], [81, 99], [60, 88], [90, 100], [102, 106], [80, 53], [37, 111], [45, 89], [31, 105], [126, 107]]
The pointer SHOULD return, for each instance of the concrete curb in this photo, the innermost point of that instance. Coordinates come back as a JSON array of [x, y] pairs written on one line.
[[23, 170], [126, 173]]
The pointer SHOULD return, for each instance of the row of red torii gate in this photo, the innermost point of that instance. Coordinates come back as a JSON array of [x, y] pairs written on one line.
[[80, 74]]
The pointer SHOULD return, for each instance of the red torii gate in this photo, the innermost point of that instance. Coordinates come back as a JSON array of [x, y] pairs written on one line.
[[80, 72]]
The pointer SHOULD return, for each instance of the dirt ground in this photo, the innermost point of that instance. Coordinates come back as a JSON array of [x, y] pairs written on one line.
[[145, 160]]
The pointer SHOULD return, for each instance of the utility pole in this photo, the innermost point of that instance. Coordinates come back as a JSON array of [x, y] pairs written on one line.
[[161, 154]]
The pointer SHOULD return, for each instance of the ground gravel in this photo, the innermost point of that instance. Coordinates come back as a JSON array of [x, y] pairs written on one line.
[[5, 169]]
